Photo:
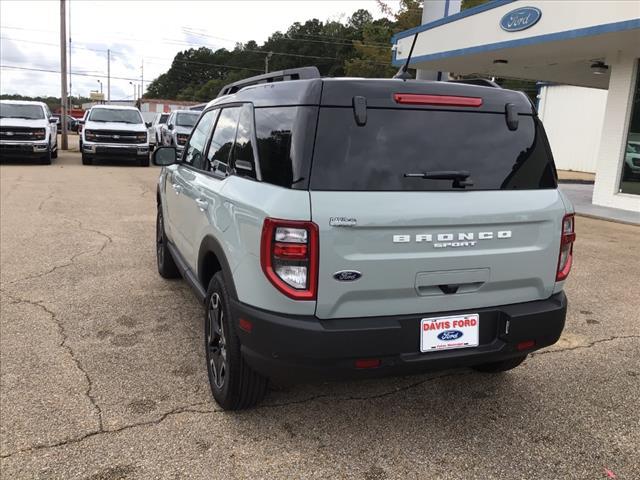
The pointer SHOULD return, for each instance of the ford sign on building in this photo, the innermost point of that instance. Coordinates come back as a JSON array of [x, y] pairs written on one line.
[[575, 44], [520, 19]]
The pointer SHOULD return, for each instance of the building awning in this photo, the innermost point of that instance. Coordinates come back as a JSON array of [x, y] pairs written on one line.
[[555, 41]]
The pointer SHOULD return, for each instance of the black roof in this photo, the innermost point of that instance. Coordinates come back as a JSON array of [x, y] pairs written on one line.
[[379, 93]]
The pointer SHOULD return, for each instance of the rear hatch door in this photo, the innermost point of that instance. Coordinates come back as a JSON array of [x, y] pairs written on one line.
[[394, 245]]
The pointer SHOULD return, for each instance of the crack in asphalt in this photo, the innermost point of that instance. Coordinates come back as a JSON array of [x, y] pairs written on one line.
[[72, 259], [102, 431], [63, 344], [46, 199], [192, 407], [579, 347]]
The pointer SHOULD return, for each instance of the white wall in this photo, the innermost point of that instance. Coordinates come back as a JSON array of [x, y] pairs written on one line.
[[614, 135], [572, 118]]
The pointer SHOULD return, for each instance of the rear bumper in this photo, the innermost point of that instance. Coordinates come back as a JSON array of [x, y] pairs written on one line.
[[297, 348]]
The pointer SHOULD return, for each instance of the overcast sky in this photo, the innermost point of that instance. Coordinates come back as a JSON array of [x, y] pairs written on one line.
[[133, 30]]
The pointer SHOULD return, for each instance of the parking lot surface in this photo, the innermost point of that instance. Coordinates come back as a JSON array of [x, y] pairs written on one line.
[[103, 373]]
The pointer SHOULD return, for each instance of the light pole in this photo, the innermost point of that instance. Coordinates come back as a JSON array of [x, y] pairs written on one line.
[[266, 62], [134, 91], [100, 82]]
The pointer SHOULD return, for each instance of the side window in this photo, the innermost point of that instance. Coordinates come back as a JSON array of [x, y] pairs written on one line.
[[222, 141], [242, 156], [194, 150]]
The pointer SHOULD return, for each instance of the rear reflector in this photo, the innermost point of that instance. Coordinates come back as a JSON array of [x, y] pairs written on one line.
[[444, 100], [245, 325], [526, 345], [368, 363]]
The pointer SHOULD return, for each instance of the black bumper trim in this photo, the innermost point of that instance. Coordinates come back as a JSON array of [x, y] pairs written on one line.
[[299, 348]]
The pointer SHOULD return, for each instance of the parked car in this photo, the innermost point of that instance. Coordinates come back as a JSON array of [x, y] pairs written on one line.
[[27, 130], [350, 228], [113, 132], [178, 128], [632, 160], [80, 125], [154, 130], [72, 123]]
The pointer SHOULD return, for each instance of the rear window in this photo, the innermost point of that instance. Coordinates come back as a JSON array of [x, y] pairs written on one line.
[[285, 141], [376, 156]]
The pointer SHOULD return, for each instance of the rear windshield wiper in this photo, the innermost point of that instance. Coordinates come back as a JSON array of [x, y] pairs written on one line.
[[459, 177]]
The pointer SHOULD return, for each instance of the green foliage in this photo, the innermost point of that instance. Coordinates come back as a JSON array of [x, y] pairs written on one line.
[[358, 47], [52, 102], [472, 3]]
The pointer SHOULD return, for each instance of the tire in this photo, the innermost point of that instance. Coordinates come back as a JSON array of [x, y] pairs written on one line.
[[501, 366], [46, 159], [86, 160], [144, 162], [234, 385], [54, 154], [166, 265]]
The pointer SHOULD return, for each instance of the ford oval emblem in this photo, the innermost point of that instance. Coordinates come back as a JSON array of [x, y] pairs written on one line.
[[520, 19], [347, 275], [450, 335]]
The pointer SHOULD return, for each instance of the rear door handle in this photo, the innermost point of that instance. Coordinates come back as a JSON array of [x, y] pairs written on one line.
[[202, 204], [176, 188]]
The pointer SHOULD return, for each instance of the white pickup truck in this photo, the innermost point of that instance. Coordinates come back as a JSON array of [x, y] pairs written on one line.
[[27, 130], [113, 132]]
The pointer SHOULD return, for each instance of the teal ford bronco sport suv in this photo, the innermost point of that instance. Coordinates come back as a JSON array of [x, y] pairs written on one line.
[[340, 228]]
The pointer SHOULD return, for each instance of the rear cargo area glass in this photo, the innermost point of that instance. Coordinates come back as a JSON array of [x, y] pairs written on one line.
[[376, 156]]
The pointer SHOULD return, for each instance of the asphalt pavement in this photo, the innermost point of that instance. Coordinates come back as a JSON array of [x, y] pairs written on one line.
[[102, 371]]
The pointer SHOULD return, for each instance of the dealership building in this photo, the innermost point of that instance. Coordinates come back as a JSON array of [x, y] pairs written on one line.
[[563, 44]]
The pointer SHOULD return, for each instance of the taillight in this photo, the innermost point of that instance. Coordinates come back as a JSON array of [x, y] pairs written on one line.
[[445, 100], [566, 247], [289, 257]]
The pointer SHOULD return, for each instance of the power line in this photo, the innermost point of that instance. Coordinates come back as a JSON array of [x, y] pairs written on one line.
[[16, 67]]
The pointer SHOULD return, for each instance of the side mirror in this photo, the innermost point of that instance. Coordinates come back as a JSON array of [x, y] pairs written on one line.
[[170, 126], [81, 122], [164, 156], [148, 124], [53, 120]]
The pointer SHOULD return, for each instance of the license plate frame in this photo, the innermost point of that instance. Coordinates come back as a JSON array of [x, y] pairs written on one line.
[[451, 332]]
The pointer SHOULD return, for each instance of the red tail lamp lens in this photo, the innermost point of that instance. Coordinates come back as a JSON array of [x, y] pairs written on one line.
[[289, 257], [526, 345], [565, 258]]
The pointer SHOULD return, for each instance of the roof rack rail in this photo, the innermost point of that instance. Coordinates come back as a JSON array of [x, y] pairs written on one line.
[[483, 82], [302, 73]]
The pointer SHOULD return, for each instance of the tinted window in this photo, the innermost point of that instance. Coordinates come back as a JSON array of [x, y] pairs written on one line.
[[115, 115], [222, 141], [285, 140], [242, 155], [186, 119], [163, 118], [194, 151], [394, 142], [12, 110]]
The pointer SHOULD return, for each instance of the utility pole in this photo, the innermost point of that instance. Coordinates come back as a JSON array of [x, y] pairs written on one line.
[[63, 74], [266, 62], [108, 76], [69, 54], [142, 78]]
